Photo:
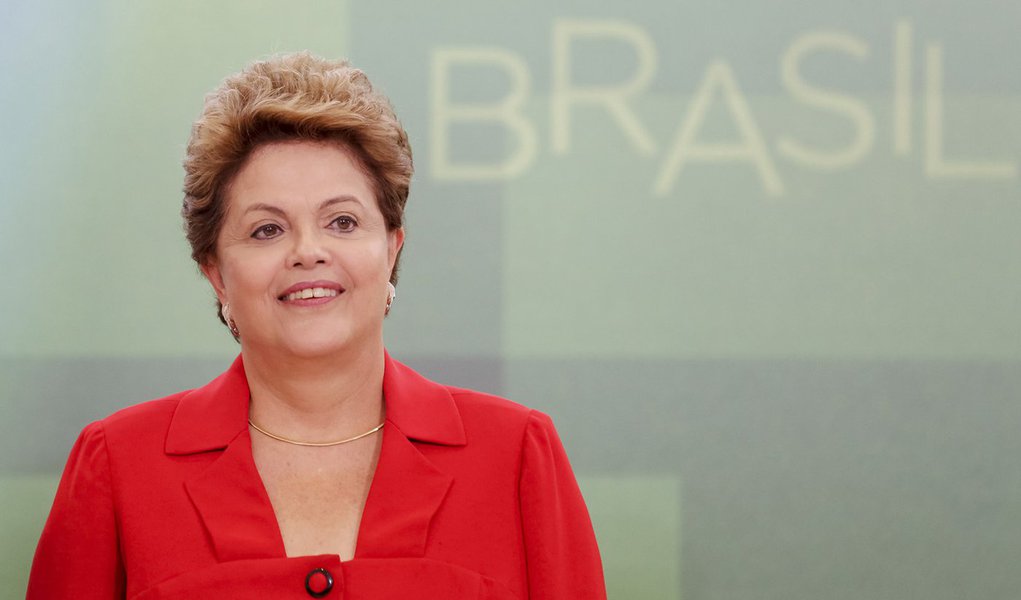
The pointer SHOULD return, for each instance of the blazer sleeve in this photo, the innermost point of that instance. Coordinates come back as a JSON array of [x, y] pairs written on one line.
[[78, 554], [561, 554]]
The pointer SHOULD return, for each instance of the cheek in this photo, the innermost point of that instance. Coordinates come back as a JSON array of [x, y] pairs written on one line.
[[371, 263], [246, 274]]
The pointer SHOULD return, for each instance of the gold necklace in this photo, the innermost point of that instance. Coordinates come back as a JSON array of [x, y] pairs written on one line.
[[280, 438]]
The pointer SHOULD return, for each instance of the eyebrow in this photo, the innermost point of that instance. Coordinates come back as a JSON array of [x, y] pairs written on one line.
[[276, 210], [338, 200]]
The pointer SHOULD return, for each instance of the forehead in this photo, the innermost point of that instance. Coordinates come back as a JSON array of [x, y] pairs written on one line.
[[293, 173]]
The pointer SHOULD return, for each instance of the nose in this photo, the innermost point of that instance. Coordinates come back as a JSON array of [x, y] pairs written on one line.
[[308, 250]]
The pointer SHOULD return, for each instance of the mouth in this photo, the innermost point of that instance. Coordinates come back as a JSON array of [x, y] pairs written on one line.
[[321, 291]]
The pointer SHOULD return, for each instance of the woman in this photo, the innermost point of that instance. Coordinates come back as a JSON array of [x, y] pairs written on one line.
[[316, 465]]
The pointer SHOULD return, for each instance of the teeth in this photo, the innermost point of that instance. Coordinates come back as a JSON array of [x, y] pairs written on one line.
[[311, 293]]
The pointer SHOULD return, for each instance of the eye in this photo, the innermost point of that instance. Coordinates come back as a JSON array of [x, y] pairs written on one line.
[[344, 223], [267, 231]]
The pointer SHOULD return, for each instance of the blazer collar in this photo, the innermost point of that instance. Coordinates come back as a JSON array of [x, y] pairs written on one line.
[[407, 488], [422, 410], [210, 417]]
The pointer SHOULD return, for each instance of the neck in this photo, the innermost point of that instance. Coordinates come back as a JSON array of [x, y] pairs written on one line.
[[316, 399]]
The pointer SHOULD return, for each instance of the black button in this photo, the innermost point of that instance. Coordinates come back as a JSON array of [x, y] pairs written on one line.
[[318, 582]]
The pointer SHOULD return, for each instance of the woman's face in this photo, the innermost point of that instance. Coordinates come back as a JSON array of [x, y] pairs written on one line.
[[304, 255]]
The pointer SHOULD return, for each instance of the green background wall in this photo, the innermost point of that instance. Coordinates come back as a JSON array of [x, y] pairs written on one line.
[[759, 260]]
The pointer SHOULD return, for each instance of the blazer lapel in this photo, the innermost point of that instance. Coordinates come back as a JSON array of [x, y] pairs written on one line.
[[234, 506], [406, 492], [228, 494], [407, 488]]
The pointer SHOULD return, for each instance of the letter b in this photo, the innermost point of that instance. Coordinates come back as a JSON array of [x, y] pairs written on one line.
[[507, 111]]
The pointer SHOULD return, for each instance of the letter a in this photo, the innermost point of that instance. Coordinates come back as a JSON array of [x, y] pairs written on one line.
[[751, 148]]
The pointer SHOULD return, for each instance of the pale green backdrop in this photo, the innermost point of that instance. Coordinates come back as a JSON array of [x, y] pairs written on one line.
[[759, 260]]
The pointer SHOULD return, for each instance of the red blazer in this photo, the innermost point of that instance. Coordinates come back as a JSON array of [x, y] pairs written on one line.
[[472, 497]]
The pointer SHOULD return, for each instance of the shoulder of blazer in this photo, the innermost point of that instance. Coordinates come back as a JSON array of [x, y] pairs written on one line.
[[481, 405], [149, 418]]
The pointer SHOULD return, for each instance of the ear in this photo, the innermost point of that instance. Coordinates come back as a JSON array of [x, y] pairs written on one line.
[[395, 241], [212, 272]]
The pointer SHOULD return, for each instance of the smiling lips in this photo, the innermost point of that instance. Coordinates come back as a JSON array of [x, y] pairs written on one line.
[[311, 293]]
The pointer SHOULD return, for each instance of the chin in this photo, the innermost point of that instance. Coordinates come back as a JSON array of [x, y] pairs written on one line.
[[323, 342]]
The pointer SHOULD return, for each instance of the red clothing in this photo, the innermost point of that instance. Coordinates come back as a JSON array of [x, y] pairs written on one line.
[[472, 497]]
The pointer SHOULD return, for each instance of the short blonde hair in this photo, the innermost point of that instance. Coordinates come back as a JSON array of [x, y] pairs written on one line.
[[291, 97]]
